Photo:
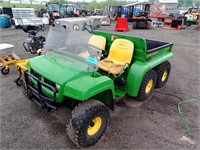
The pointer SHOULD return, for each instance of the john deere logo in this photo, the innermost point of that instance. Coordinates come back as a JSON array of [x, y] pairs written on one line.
[[76, 27]]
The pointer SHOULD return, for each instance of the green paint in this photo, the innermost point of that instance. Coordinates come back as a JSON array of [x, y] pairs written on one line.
[[81, 85]]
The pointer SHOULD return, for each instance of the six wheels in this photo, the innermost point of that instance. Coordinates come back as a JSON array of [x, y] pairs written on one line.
[[5, 70], [163, 71], [89, 119], [148, 84], [88, 123]]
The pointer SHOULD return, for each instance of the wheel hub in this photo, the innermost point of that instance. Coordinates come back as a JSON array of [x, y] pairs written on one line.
[[94, 126], [149, 86], [164, 76]]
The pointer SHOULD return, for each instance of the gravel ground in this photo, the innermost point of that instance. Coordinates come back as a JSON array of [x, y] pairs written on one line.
[[153, 124]]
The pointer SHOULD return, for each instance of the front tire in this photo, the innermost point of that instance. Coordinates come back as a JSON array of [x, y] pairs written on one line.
[[147, 86], [88, 123], [163, 71], [27, 92]]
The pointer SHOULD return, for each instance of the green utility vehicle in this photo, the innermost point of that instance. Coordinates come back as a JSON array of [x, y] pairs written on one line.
[[90, 72], [192, 15]]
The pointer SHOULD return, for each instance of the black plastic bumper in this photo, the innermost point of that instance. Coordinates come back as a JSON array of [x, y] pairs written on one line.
[[42, 99]]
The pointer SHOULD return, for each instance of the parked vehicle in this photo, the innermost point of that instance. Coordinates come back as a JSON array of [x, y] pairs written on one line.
[[106, 21], [91, 72], [192, 15], [1, 10], [26, 16], [72, 10], [8, 57], [52, 11], [115, 11], [138, 13], [168, 19], [33, 42]]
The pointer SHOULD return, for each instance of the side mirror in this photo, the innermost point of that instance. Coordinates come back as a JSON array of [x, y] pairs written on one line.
[[86, 27]]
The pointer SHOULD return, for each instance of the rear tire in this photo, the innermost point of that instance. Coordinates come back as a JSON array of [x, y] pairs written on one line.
[[41, 13], [88, 123], [134, 25], [147, 86], [148, 25], [163, 71], [17, 26]]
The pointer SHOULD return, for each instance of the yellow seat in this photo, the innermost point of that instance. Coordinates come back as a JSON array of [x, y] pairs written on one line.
[[98, 41], [120, 55]]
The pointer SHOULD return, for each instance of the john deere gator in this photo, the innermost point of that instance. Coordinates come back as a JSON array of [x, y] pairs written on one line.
[[91, 70]]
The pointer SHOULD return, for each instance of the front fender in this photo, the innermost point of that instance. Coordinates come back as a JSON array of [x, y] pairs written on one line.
[[88, 86]]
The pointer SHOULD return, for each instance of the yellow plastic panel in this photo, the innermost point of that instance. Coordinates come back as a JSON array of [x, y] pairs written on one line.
[[121, 52], [98, 41]]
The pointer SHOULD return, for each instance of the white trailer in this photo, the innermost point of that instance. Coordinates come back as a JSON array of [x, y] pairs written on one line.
[[26, 16]]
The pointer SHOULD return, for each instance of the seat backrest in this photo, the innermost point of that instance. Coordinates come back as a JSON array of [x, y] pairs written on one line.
[[98, 41], [121, 51]]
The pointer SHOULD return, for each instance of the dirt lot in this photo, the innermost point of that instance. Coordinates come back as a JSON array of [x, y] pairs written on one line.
[[153, 124]]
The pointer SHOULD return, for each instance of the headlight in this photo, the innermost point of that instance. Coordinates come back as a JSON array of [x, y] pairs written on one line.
[[57, 86]]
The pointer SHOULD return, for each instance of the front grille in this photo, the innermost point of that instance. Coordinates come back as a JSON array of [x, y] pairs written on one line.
[[43, 79], [35, 74], [49, 82]]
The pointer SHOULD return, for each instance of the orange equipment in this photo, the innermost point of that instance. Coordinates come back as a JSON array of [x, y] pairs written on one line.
[[156, 11]]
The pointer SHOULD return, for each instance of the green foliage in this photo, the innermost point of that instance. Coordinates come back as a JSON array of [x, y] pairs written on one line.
[[153, 1], [103, 5], [60, 1], [35, 6], [188, 3], [181, 3], [197, 2]]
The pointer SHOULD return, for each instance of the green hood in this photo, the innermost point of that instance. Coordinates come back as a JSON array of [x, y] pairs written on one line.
[[58, 68]]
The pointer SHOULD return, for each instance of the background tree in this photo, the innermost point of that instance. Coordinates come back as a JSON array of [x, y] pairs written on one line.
[[197, 2], [188, 3]]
